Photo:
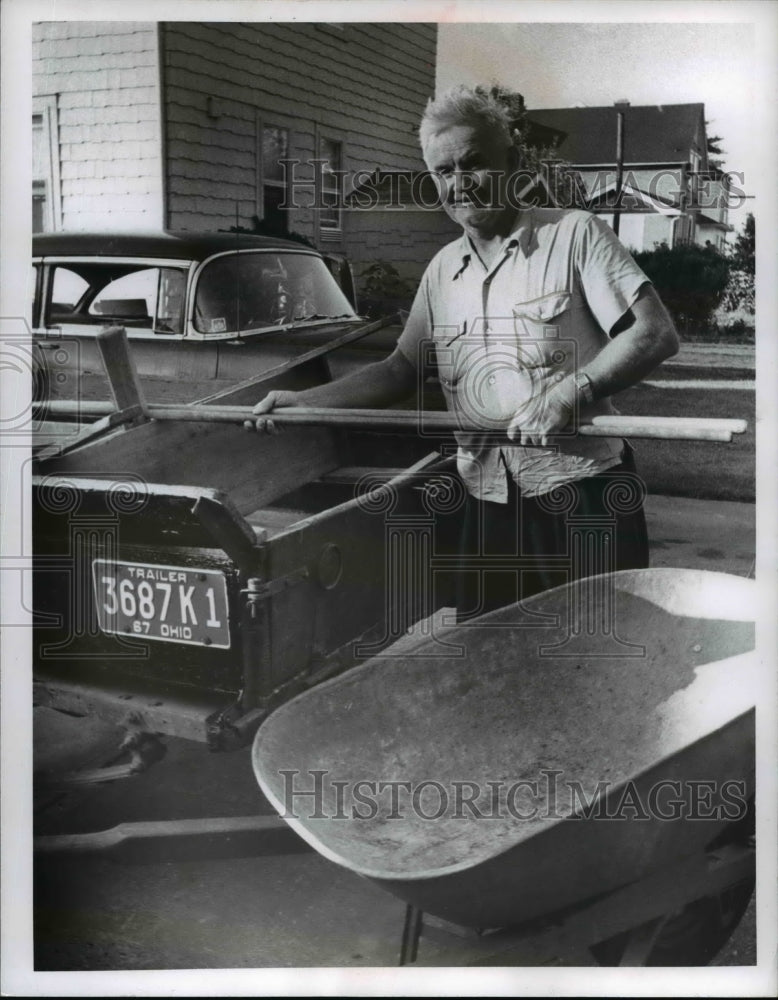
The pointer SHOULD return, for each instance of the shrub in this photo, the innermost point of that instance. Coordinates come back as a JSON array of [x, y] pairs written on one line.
[[269, 227], [690, 280], [734, 319], [383, 290], [733, 329]]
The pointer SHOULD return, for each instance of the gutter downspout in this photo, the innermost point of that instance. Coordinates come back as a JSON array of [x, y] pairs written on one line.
[[163, 193]]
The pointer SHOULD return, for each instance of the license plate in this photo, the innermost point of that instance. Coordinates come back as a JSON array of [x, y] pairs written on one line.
[[168, 603]]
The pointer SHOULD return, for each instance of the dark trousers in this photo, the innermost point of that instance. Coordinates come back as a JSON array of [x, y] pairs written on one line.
[[509, 552]]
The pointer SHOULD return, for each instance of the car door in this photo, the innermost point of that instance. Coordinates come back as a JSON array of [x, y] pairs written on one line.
[[78, 297]]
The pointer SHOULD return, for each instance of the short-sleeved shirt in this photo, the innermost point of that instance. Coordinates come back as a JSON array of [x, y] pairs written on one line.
[[499, 337]]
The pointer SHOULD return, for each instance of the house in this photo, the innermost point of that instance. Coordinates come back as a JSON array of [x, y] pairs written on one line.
[[210, 126], [670, 192]]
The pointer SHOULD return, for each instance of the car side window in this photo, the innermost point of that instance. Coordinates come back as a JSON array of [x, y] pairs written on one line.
[[170, 301], [68, 288], [34, 293], [133, 296], [152, 298], [138, 297]]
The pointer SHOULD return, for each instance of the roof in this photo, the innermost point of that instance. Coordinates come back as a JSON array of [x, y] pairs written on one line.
[[164, 244], [633, 199], [709, 220], [652, 133]]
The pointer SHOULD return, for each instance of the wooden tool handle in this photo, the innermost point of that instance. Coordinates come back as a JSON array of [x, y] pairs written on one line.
[[422, 421], [434, 422]]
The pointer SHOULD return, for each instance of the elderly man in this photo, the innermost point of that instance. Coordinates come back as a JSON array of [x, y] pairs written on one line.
[[531, 320]]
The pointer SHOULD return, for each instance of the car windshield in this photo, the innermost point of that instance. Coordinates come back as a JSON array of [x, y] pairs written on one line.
[[248, 291]]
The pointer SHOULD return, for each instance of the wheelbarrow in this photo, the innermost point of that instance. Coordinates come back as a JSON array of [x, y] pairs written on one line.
[[576, 757]]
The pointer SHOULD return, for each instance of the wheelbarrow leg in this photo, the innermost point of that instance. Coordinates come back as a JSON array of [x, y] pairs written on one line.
[[640, 942], [409, 946]]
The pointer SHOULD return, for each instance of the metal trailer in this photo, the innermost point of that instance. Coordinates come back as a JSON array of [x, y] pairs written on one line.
[[189, 577]]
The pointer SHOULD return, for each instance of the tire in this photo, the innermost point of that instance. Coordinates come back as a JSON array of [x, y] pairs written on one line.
[[692, 936], [695, 934]]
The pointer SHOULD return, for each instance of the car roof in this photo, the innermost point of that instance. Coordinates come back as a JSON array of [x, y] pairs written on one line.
[[163, 244]]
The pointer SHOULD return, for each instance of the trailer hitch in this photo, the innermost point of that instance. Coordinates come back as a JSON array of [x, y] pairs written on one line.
[[144, 749]]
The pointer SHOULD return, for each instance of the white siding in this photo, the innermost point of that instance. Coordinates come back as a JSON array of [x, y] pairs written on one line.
[[631, 231], [105, 77], [658, 229], [364, 87]]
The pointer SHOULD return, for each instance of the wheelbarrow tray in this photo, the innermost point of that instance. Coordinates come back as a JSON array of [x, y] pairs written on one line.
[[628, 700]]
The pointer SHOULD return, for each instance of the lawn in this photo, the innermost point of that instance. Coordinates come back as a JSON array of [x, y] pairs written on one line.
[[697, 469]]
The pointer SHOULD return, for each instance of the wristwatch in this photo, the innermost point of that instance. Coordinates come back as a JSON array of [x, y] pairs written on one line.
[[584, 386]]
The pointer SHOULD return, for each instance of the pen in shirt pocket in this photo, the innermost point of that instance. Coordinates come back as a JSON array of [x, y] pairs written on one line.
[[458, 334]]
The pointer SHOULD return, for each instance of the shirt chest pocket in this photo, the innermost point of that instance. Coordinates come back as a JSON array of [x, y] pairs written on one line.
[[544, 332], [456, 357]]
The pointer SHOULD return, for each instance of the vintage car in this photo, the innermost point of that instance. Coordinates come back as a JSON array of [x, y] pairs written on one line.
[[201, 310]]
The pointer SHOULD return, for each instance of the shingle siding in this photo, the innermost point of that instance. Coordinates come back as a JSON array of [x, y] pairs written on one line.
[[262, 72], [106, 79], [364, 87], [407, 240], [168, 114]]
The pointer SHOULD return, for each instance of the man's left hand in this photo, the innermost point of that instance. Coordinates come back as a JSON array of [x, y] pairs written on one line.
[[555, 410]]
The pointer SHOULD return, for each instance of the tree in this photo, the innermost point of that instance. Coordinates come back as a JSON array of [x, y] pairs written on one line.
[[691, 281], [744, 250], [538, 158], [713, 147]]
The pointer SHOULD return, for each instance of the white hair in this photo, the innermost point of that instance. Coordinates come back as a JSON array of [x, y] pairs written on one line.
[[462, 105]]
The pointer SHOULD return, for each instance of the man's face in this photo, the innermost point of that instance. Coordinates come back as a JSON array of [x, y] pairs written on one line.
[[471, 169]]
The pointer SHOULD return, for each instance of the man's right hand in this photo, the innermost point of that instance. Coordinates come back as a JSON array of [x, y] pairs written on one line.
[[274, 400]]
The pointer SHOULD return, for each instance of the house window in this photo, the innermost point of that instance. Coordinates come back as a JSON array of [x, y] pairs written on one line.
[[330, 216], [274, 148], [39, 202], [45, 166], [683, 230], [695, 163]]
